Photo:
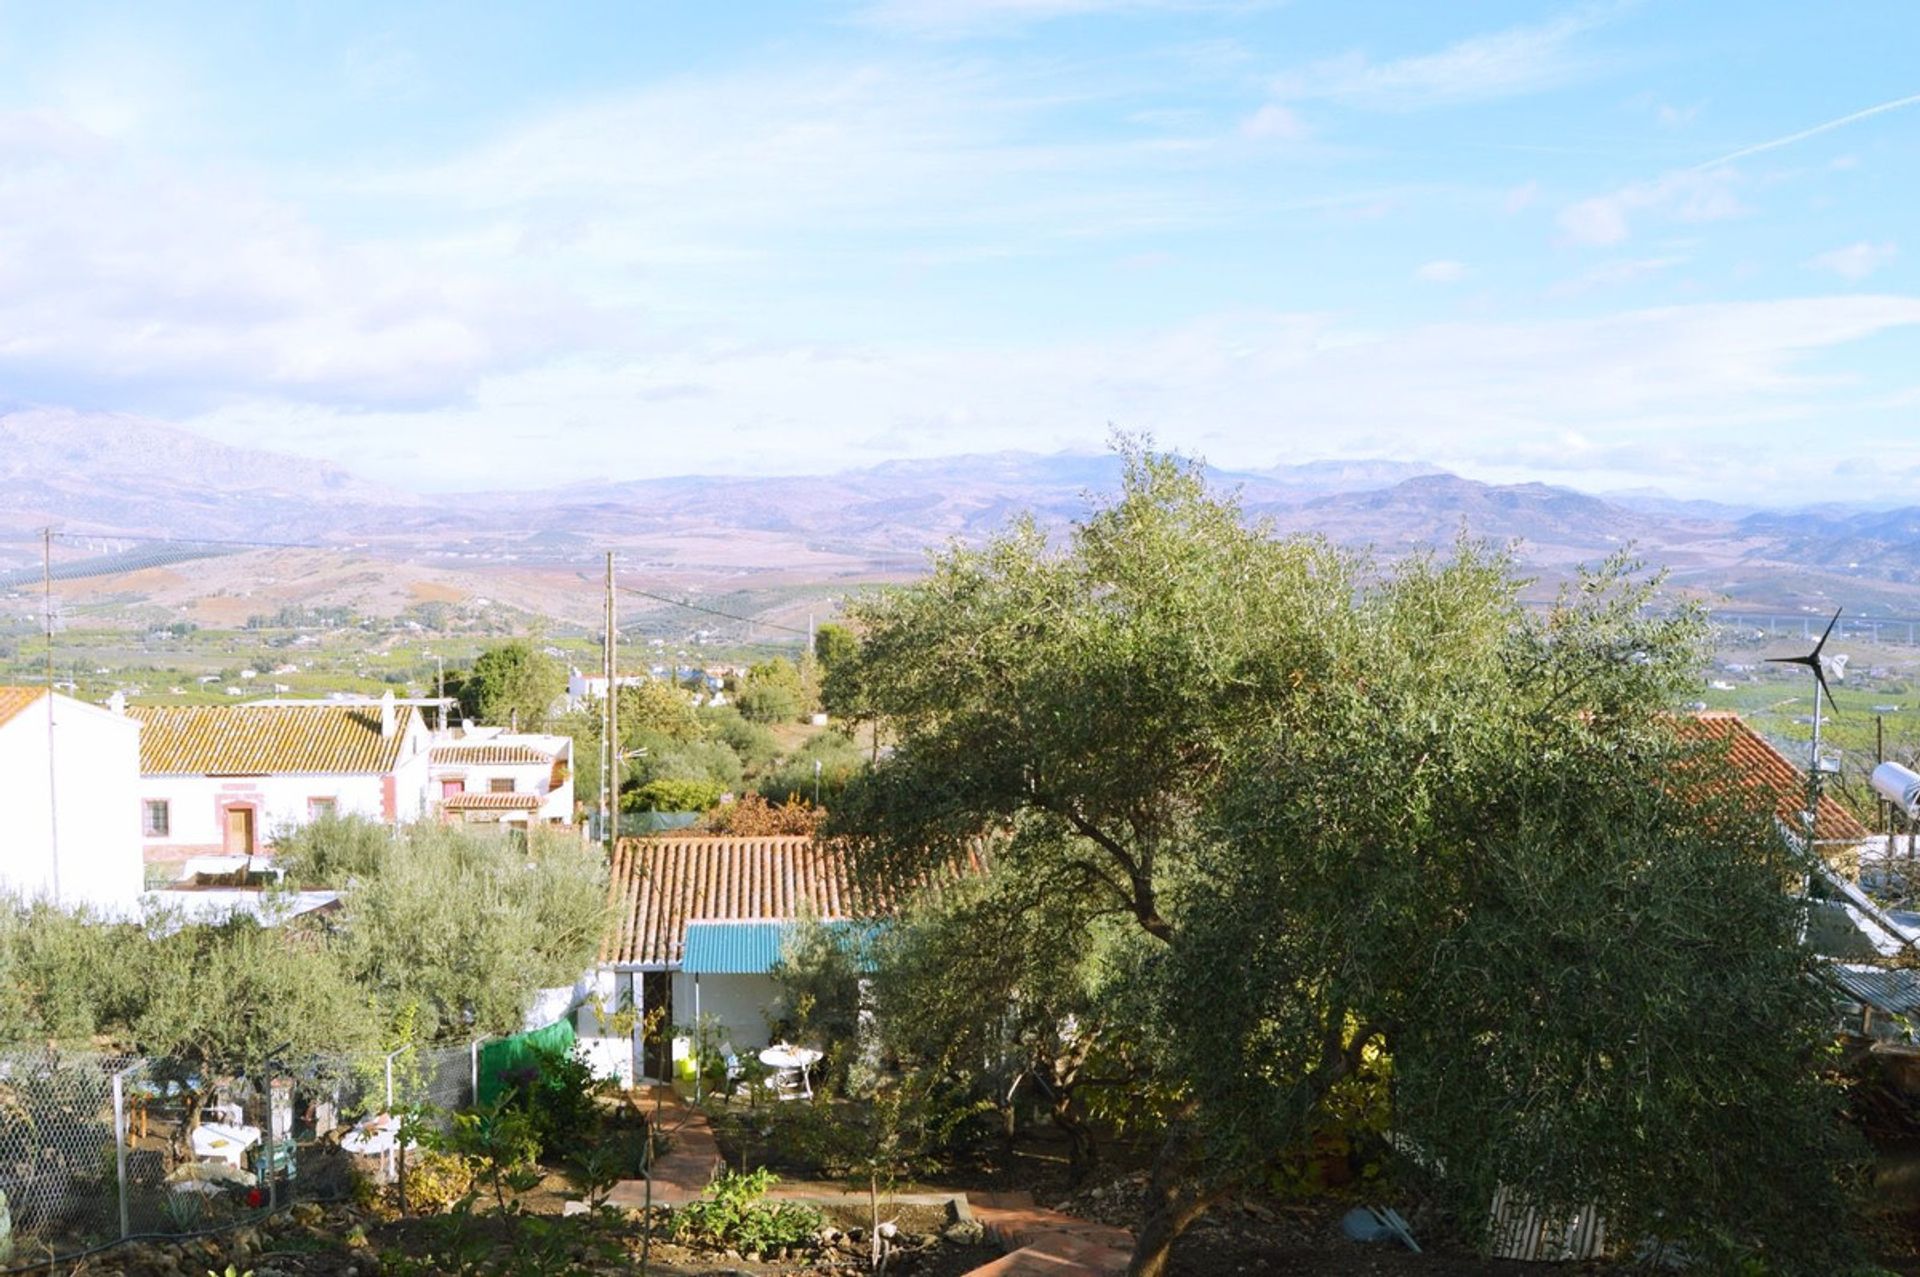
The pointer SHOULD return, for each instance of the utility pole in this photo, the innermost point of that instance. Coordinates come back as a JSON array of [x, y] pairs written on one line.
[[53, 781], [610, 784]]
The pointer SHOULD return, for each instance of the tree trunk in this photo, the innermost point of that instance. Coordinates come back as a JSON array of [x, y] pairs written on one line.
[[1173, 1201], [183, 1138], [1166, 1219], [1081, 1152]]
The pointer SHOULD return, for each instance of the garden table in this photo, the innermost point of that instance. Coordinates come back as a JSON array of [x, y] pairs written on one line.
[[224, 1141], [789, 1060]]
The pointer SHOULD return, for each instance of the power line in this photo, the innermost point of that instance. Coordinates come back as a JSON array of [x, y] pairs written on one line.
[[83, 537], [711, 611]]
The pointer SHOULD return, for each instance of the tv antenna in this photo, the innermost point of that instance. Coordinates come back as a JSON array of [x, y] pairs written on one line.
[[1813, 662]]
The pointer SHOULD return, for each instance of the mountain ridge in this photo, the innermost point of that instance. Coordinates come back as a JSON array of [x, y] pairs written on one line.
[[125, 479]]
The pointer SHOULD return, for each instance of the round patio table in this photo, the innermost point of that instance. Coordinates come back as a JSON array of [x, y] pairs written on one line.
[[792, 1059]]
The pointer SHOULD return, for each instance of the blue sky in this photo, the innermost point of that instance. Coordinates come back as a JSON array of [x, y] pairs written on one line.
[[484, 245]]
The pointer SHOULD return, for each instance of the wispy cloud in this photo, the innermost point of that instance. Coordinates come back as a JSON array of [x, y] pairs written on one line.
[[1442, 271], [1855, 261], [1687, 196], [1273, 122], [949, 19], [1499, 64], [1801, 135], [1615, 274]]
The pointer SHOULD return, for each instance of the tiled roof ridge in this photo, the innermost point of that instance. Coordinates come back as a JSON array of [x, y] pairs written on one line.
[[15, 698], [190, 740], [480, 753]]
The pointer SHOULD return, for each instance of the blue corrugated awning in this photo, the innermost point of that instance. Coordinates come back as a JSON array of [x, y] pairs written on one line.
[[752, 948], [732, 948]]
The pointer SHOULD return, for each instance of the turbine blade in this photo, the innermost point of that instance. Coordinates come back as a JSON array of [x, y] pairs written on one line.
[[1823, 634]]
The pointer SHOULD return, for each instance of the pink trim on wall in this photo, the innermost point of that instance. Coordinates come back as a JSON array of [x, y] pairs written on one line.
[[389, 798]]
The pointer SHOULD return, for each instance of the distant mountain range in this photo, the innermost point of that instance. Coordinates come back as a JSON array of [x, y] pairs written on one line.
[[112, 478]]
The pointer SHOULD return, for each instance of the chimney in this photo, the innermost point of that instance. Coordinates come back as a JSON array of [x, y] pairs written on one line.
[[117, 703], [389, 719]]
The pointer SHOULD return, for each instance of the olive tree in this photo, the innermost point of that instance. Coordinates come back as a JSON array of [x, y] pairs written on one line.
[[1305, 780], [227, 1000], [460, 928]]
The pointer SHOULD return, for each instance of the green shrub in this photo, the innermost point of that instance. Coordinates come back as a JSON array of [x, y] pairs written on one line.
[[436, 1180], [732, 1216], [559, 1096], [673, 795]]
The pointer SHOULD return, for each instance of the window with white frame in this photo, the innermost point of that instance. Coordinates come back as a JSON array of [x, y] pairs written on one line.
[[155, 818]]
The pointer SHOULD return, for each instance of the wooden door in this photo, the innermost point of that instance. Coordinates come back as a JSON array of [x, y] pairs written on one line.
[[239, 831]]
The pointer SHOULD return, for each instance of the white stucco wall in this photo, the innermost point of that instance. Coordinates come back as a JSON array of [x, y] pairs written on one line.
[[197, 804], [739, 1002], [95, 775]]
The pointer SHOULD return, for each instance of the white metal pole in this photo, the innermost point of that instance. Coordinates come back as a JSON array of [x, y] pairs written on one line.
[[120, 1147]]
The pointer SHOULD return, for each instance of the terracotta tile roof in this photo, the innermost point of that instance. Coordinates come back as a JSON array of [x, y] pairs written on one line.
[[1758, 765], [659, 885], [491, 802], [487, 755], [251, 740], [15, 699]]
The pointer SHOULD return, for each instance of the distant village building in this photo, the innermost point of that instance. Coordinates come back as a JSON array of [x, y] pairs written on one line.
[[69, 780], [488, 774], [584, 689], [229, 778]]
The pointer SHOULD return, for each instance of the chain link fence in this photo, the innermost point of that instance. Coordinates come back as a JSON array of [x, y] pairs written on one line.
[[98, 1148]]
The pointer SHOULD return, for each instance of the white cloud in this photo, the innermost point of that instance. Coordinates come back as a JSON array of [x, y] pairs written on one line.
[[127, 272], [1499, 64], [1520, 198], [1623, 271], [1441, 272], [1274, 122], [1855, 261], [1673, 394], [1688, 196]]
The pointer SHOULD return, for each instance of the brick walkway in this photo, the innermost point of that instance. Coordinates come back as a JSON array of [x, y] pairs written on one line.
[[1039, 1243], [684, 1171], [1045, 1243]]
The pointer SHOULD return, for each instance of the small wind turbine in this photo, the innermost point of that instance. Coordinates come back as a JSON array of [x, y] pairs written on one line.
[[1812, 661]]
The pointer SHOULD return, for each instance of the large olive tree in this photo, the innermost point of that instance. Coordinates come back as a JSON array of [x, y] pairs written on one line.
[[1349, 808]]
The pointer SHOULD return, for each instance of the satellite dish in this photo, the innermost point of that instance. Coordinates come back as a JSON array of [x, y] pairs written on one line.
[[1813, 662]]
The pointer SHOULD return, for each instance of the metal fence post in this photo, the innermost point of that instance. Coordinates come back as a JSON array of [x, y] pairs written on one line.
[[266, 1089], [120, 1146], [474, 1074], [390, 1056]]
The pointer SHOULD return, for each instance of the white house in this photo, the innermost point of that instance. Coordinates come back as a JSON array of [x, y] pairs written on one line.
[[69, 777], [697, 925], [490, 774], [584, 689], [228, 778]]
